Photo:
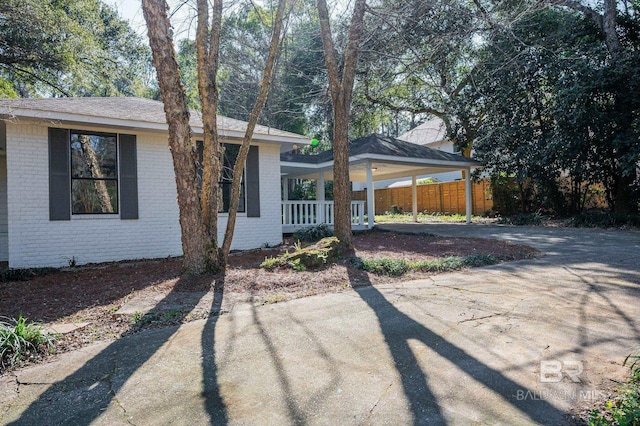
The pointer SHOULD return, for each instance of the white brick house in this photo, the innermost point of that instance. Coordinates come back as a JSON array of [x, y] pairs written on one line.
[[89, 180]]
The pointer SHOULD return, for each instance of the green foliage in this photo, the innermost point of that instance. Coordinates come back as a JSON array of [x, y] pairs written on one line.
[[624, 409], [397, 267], [20, 339], [522, 219], [313, 233], [382, 266], [556, 104], [11, 274], [73, 48], [603, 219]]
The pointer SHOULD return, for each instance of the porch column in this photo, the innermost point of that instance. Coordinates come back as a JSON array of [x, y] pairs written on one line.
[[285, 196], [467, 194], [370, 196], [320, 197], [414, 197]]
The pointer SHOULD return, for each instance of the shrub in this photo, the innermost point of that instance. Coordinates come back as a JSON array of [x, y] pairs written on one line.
[[603, 219], [312, 234], [522, 219], [11, 274], [382, 266], [397, 267], [20, 339]]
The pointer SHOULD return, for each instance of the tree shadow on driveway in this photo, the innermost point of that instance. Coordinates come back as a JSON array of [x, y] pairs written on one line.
[[85, 395], [398, 329]]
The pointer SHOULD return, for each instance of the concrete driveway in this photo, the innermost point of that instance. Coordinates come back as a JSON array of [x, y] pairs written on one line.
[[516, 343]]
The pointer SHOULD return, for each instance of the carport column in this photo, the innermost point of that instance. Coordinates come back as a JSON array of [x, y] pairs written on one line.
[[370, 196], [320, 197], [414, 197], [467, 194]]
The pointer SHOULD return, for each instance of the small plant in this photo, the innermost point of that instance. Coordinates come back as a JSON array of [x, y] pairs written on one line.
[[20, 339], [276, 298], [72, 262], [624, 409], [172, 315], [270, 263], [312, 234]]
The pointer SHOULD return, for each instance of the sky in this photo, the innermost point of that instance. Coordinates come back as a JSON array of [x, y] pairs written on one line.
[[131, 10]]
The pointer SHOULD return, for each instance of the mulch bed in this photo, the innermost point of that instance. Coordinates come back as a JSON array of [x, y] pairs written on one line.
[[93, 293]]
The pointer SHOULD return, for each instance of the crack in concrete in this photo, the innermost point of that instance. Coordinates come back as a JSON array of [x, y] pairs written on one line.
[[378, 401], [462, 289], [473, 318], [114, 397]]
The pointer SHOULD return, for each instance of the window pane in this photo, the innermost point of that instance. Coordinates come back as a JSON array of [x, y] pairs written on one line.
[[224, 199], [229, 155], [93, 156], [94, 196]]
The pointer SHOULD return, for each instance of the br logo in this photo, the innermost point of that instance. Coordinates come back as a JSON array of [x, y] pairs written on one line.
[[552, 371]]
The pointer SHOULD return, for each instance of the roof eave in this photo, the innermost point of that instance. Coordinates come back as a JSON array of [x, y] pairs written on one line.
[[44, 115]]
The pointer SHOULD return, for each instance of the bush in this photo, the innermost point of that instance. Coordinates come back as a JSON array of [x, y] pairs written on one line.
[[522, 219], [312, 234], [398, 267], [382, 266], [603, 219], [20, 339], [11, 274]]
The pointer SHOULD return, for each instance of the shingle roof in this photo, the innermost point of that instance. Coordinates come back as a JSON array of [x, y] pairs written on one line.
[[379, 145], [123, 108]]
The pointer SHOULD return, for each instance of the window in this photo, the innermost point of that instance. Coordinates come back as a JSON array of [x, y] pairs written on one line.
[[94, 173], [229, 155]]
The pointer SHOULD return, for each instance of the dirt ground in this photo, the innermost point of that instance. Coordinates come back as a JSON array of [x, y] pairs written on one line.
[[94, 293]]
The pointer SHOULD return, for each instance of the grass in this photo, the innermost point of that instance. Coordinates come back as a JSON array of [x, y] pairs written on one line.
[[422, 217], [20, 339], [398, 267]]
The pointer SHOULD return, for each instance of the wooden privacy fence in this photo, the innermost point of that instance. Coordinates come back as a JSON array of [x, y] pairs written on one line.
[[443, 197]]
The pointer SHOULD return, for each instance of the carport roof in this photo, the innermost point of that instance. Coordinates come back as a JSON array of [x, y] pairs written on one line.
[[380, 145], [390, 157]]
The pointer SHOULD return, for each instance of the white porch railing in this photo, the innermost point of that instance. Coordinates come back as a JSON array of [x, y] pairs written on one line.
[[300, 214]]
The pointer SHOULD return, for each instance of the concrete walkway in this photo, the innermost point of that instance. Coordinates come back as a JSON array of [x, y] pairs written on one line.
[[516, 343]]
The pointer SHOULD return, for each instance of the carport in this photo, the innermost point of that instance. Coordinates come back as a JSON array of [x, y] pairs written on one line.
[[371, 158]]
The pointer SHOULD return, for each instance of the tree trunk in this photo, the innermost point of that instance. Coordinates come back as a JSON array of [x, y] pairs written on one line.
[[208, 53], [195, 243], [238, 168], [341, 189], [341, 90]]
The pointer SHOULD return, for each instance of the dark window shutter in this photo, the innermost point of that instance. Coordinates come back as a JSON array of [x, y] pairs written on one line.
[[59, 185], [128, 177], [252, 186]]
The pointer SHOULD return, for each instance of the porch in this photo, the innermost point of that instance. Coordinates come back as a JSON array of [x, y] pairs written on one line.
[[301, 214]]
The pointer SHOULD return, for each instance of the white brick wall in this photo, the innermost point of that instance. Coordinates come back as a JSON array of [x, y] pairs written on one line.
[[36, 241]]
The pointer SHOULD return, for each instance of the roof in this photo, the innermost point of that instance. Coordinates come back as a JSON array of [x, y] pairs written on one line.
[[376, 144], [128, 112], [429, 132]]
